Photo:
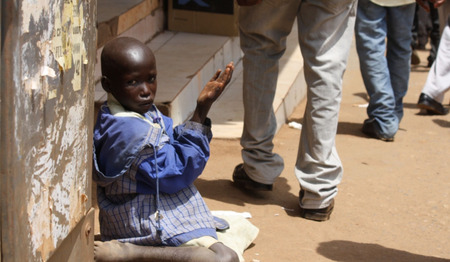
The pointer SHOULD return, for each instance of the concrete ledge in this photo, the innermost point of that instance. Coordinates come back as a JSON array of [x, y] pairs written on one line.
[[117, 16]]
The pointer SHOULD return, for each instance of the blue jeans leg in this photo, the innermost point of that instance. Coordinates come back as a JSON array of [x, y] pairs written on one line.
[[384, 67]]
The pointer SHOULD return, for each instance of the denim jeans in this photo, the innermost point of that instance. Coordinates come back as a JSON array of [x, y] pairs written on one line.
[[384, 66], [325, 30]]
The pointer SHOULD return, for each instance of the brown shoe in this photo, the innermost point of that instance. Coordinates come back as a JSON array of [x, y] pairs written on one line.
[[242, 180], [319, 214]]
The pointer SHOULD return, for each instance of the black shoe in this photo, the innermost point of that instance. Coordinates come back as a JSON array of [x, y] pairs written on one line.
[[319, 214], [371, 128], [242, 180], [432, 106]]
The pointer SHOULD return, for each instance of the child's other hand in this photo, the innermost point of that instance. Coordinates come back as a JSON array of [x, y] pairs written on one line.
[[214, 88]]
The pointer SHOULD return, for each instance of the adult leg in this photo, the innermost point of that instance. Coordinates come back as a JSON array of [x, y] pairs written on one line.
[[415, 59], [435, 34], [438, 80], [263, 31], [115, 251], [414, 29], [423, 26], [399, 20], [325, 35], [370, 34]]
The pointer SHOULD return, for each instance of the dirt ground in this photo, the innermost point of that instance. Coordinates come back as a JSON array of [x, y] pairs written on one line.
[[393, 203]]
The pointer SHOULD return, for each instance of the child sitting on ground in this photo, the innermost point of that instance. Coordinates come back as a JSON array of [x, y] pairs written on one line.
[[145, 169]]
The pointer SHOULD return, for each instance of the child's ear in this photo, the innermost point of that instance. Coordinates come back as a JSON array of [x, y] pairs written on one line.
[[106, 84]]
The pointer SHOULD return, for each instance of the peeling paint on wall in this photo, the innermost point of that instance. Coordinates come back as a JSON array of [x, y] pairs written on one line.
[[32, 10], [78, 46], [57, 184], [50, 125], [68, 47]]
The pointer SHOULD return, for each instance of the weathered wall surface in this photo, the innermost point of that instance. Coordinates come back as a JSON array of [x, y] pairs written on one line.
[[48, 58]]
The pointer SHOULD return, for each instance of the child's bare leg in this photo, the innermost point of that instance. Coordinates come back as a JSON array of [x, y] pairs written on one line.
[[111, 251], [224, 253], [115, 251]]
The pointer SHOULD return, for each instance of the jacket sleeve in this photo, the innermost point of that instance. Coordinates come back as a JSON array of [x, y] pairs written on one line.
[[178, 161]]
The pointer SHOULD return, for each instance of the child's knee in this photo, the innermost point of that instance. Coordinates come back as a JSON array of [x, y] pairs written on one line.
[[224, 253], [230, 256]]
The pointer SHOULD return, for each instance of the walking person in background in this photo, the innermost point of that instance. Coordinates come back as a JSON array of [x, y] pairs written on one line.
[[385, 67], [325, 30], [425, 26], [438, 80]]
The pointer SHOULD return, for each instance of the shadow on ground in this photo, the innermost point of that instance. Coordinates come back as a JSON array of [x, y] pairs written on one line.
[[420, 69], [225, 191], [348, 251], [344, 128], [442, 123], [363, 95]]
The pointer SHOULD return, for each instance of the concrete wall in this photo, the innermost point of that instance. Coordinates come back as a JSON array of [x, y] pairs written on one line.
[[48, 58]]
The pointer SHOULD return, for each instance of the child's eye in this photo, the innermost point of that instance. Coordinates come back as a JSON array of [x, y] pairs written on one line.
[[152, 79], [132, 82]]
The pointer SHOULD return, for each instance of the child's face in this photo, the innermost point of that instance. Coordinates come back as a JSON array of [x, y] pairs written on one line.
[[134, 86]]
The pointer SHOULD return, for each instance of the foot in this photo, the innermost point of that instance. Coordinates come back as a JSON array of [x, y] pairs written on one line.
[[110, 251], [242, 180], [432, 106], [317, 214], [372, 129]]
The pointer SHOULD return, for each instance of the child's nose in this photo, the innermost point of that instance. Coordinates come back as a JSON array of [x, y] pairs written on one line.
[[145, 90]]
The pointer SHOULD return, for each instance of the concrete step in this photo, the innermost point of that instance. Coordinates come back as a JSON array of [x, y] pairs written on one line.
[[140, 18]]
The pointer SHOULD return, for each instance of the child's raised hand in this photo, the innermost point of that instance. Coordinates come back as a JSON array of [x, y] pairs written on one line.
[[216, 85], [212, 90]]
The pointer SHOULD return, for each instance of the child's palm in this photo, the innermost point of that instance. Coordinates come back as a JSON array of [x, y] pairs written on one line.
[[214, 88]]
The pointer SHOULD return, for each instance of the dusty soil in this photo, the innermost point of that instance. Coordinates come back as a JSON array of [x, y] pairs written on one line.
[[393, 203]]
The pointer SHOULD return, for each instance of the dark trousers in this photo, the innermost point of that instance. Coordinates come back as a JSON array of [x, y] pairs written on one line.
[[426, 25]]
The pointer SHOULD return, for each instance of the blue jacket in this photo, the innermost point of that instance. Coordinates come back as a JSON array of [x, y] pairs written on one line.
[[181, 153]]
